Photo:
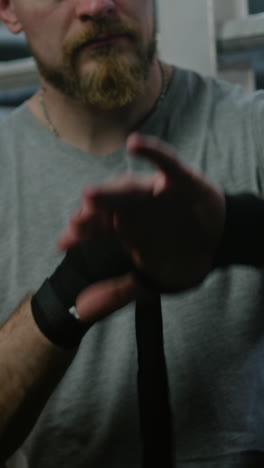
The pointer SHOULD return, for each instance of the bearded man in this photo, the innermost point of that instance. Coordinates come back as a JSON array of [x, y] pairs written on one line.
[[69, 393]]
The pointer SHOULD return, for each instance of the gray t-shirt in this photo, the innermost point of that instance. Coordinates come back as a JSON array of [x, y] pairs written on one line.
[[214, 334]]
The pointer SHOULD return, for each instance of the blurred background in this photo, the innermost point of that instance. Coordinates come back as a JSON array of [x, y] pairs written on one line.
[[224, 38], [257, 6]]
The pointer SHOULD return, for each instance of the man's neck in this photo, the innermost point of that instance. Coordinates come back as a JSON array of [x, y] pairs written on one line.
[[92, 130]]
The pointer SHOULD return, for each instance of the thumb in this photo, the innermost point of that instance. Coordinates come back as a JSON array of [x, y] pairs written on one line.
[[103, 298]]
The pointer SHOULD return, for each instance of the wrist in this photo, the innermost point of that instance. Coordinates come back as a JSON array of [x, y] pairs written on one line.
[[53, 305], [242, 241], [54, 319]]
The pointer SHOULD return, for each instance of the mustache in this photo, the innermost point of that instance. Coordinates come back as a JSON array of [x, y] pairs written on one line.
[[93, 30]]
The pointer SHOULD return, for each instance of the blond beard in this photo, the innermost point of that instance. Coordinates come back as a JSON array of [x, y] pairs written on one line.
[[114, 82]]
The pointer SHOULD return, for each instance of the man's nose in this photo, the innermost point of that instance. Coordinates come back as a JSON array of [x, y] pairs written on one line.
[[95, 9]]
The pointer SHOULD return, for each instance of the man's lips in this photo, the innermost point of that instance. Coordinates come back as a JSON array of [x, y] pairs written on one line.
[[104, 40]]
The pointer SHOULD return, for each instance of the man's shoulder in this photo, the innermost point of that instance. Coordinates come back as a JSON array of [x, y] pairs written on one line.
[[213, 96], [215, 126], [15, 113], [13, 121], [196, 84], [230, 93]]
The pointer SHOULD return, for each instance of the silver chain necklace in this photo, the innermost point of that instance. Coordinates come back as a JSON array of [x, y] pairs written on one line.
[[163, 92], [51, 127]]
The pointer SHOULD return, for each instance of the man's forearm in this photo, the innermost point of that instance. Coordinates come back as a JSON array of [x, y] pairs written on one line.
[[30, 368]]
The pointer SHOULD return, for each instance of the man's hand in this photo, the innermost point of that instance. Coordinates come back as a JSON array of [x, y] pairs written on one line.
[[105, 297], [170, 223]]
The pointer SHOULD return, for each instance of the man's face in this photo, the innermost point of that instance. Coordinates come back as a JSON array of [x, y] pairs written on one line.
[[96, 51]]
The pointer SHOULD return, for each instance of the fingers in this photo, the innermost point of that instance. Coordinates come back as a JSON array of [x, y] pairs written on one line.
[[128, 189], [158, 153], [87, 222], [80, 230], [105, 297], [99, 204], [70, 238], [76, 231], [138, 185]]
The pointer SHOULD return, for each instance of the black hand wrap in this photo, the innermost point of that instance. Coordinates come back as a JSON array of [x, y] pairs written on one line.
[[92, 261], [243, 239]]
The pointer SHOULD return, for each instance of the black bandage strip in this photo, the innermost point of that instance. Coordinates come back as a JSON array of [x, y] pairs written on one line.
[[58, 325], [243, 239], [96, 261], [93, 261], [153, 390]]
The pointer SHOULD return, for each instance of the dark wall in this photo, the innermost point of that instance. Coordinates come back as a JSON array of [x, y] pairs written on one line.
[[257, 6]]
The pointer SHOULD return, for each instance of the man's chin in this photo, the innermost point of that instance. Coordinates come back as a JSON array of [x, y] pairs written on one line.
[[110, 85], [105, 82], [105, 100], [104, 63]]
